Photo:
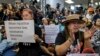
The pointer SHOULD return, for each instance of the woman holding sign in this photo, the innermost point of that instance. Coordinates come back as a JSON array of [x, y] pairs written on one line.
[[72, 40], [32, 49]]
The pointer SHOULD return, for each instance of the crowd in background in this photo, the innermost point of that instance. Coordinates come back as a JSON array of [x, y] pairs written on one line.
[[52, 16]]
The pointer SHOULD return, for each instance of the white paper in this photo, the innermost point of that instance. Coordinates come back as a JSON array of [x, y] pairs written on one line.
[[83, 55], [51, 32], [20, 31]]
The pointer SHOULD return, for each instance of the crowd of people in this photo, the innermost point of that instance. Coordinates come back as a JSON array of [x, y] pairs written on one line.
[[79, 31]]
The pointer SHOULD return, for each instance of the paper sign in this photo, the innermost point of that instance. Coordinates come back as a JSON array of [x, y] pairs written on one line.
[[83, 55], [51, 32], [20, 31]]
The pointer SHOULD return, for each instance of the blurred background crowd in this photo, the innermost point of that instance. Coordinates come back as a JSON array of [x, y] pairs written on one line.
[[48, 16]]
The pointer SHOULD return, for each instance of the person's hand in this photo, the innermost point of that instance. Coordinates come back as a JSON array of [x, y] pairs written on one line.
[[16, 50], [75, 50], [72, 35], [36, 37], [51, 54], [89, 33]]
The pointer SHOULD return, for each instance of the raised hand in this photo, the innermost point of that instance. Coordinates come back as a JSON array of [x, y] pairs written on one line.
[[89, 33], [72, 35]]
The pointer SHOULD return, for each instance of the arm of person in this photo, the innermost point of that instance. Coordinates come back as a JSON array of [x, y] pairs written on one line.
[[87, 35], [62, 49], [47, 51], [9, 44], [3, 45], [87, 43]]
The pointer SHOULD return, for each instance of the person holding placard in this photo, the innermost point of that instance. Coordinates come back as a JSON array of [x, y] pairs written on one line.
[[46, 22], [71, 40], [32, 49]]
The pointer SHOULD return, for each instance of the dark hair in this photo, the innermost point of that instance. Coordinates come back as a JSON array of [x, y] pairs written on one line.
[[48, 21], [47, 6], [66, 29], [90, 25], [28, 10], [58, 5], [34, 2], [4, 6], [95, 21]]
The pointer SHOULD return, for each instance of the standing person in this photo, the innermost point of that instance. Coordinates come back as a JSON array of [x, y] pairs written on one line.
[[97, 14], [50, 46], [32, 49], [71, 40], [90, 13]]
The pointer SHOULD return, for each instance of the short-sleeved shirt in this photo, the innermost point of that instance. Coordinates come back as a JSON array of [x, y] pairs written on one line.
[[62, 37], [96, 38]]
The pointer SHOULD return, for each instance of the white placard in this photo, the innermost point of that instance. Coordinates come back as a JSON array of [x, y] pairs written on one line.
[[20, 31], [51, 32], [83, 55]]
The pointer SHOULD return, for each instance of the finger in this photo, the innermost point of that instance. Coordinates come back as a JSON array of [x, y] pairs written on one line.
[[93, 29], [35, 37], [86, 29], [38, 39], [72, 35]]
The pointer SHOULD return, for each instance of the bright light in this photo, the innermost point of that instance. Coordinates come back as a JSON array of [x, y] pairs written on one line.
[[72, 7], [38, 0], [99, 3], [69, 1], [78, 5], [96, 3]]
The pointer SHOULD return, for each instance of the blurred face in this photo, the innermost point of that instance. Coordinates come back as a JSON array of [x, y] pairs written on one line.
[[58, 13], [74, 26], [45, 21], [26, 15], [22, 4], [98, 22]]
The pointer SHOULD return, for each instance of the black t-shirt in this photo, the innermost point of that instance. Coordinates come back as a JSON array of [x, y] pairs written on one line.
[[30, 49], [62, 37]]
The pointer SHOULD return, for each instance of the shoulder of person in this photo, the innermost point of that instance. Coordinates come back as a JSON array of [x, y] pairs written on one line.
[[36, 26], [62, 33]]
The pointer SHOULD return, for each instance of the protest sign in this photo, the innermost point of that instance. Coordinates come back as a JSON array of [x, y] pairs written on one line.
[[83, 55], [20, 31], [51, 32]]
